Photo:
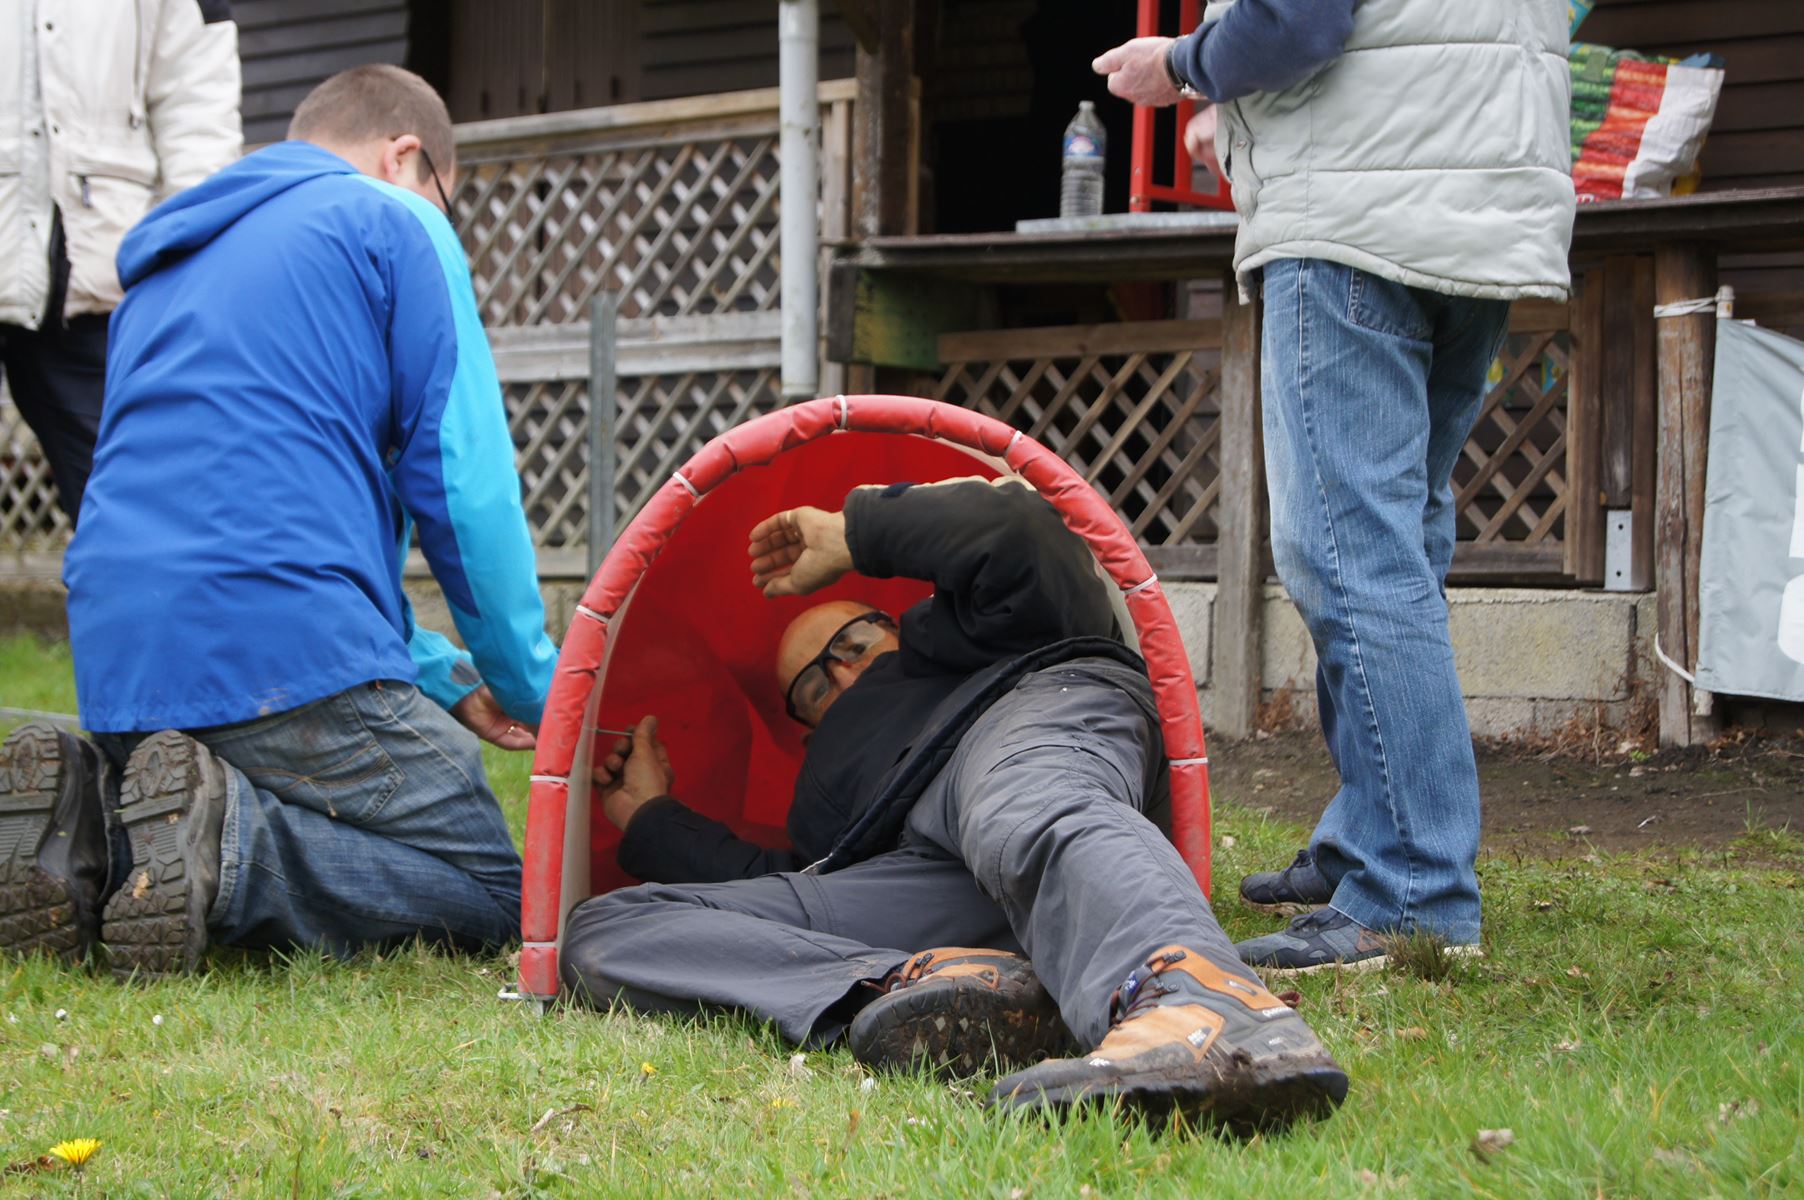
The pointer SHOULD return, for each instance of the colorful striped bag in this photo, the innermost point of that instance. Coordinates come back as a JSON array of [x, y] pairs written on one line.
[[1638, 123]]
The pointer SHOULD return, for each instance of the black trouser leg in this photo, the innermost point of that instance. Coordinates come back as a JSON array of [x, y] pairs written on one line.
[[57, 376]]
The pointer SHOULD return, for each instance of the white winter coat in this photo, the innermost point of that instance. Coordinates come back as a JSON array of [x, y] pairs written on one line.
[[106, 107], [1435, 152]]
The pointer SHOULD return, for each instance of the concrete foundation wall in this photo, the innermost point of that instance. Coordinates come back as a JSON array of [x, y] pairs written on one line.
[[1531, 661]]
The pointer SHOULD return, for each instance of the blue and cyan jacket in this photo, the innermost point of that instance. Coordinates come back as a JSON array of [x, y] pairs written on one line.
[[296, 376]]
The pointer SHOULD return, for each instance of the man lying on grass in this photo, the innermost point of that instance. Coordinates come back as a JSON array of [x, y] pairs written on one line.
[[976, 776]]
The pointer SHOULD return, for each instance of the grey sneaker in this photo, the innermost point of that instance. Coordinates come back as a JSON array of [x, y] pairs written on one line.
[[173, 804], [1324, 940], [1297, 889], [53, 842]]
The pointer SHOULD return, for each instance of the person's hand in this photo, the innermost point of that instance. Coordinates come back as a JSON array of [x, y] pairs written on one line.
[[481, 714], [1199, 138], [798, 551], [633, 774], [1136, 71]]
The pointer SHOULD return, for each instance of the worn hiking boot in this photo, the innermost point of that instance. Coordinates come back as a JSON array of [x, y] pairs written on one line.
[[173, 804], [1297, 889], [1325, 940], [954, 1010], [1191, 1041], [53, 842]]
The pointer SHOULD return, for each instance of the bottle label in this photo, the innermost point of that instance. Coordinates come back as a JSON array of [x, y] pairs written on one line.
[[1082, 145]]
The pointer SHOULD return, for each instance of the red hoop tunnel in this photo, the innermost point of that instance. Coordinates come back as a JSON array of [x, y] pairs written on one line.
[[671, 625]]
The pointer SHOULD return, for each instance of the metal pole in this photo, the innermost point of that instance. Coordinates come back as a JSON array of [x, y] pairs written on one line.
[[601, 427], [798, 44]]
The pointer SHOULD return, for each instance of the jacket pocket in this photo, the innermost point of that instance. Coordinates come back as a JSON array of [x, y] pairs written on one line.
[[1234, 147], [1385, 307], [103, 194]]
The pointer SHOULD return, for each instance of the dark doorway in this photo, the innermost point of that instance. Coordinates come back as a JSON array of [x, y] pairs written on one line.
[[1005, 78]]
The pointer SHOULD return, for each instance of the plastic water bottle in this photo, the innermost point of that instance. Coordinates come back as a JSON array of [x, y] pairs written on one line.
[[1086, 146]]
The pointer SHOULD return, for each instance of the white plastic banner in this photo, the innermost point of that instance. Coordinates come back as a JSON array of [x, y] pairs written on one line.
[[1751, 582]]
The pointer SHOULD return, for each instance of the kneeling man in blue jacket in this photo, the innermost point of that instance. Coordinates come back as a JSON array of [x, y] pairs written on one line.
[[298, 382]]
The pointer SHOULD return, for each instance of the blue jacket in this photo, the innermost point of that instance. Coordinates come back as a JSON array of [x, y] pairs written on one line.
[[297, 370]]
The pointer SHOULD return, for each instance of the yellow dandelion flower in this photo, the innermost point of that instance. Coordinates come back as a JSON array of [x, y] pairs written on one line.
[[646, 1068], [76, 1151], [782, 1102]]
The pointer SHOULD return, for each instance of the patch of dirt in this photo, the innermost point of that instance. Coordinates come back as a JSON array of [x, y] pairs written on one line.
[[1552, 801]]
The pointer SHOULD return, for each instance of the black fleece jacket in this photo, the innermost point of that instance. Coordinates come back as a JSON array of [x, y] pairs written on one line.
[[1014, 591]]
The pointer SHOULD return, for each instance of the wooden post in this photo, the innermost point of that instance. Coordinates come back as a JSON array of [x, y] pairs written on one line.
[[884, 142], [1683, 271], [1584, 549], [1627, 397], [1241, 528]]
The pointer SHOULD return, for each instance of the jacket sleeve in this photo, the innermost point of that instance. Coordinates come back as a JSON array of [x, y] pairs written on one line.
[[1263, 46], [453, 461], [1008, 576], [191, 92], [668, 842]]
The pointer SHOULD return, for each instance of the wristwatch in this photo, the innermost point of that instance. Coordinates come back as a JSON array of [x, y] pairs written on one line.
[[1177, 79]]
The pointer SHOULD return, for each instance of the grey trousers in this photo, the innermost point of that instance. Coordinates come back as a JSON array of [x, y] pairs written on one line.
[[1031, 839]]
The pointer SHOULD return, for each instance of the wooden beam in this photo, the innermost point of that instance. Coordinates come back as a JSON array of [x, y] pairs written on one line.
[[861, 21], [1644, 425], [884, 141], [1079, 341], [1241, 521], [1584, 538], [1687, 349], [893, 320]]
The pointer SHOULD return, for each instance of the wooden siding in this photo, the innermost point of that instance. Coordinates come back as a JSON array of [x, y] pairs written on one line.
[[1758, 138], [288, 46], [509, 58]]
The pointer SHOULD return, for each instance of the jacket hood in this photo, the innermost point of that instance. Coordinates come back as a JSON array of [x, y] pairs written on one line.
[[187, 221]]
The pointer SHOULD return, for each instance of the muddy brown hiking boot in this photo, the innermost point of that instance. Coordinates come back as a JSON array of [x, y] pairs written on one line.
[[53, 842], [1188, 1039], [955, 1009], [172, 802]]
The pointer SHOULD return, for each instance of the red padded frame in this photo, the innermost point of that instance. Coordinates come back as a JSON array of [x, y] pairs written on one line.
[[554, 831]]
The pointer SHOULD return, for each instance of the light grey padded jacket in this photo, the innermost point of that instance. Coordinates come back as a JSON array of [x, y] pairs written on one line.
[[1434, 152]]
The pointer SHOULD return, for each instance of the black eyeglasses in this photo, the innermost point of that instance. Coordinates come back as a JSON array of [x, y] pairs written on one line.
[[444, 200], [808, 691]]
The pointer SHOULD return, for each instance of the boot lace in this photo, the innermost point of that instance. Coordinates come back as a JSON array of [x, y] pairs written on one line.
[[1143, 988]]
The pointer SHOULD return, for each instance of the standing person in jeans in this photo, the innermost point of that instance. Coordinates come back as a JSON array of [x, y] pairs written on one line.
[[299, 381], [107, 108], [1402, 172]]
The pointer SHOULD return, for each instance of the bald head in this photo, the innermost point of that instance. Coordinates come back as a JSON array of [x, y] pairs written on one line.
[[807, 636]]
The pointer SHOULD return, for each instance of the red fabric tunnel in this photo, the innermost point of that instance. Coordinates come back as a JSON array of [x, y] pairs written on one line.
[[672, 625]]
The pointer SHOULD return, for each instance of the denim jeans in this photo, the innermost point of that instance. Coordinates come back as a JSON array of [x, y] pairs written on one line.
[[361, 819], [1370, 390]]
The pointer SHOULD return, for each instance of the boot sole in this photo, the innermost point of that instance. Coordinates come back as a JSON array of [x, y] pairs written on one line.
[[1286, 908], [1260, 1098], [958, 1032], [1374, 963], [37, 911], [149, 927]]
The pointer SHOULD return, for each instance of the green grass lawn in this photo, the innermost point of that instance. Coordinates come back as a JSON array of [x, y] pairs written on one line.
[[1636, 1025]]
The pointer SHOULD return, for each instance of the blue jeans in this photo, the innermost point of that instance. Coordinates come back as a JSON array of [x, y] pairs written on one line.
[[1370, 390], [361, 819]]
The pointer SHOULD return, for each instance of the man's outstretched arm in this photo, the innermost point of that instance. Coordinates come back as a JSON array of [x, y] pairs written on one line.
[[1256, 46], [663, 840]]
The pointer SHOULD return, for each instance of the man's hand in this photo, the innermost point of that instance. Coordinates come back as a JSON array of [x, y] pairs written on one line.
[[799, 551], [1136, 72], [481, 714], [635, 772], [1199, 138]]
